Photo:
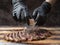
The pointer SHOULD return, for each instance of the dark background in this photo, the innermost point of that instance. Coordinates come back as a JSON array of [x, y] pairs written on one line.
[[53, 18]]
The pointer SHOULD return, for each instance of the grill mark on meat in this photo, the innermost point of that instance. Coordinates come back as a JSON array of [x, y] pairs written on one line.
[[15, 38], [6, 37], [23, 37], [10, 37], [18, 36]]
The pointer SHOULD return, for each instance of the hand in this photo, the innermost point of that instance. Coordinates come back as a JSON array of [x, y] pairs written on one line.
[[20, 12], [39, 15]]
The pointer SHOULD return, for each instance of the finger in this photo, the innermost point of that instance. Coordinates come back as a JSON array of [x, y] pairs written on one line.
[[25, 11], [20, 15], [35, 14], [27, 17], [24, 14], [15, 17], [35, 11]]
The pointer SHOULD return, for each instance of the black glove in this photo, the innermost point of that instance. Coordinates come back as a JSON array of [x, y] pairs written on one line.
[[20, 11], [40, 13]]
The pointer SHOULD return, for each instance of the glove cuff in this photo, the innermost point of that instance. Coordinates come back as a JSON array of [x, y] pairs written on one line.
[[46, 7], [15, 1]]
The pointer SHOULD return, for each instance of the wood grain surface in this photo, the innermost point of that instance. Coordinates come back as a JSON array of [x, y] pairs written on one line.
[[55, 38]]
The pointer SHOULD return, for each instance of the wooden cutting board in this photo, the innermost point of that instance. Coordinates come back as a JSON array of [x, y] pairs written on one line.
[[53, 39]]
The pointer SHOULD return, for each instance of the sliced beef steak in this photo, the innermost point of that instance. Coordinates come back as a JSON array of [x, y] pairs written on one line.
[[28, 35]]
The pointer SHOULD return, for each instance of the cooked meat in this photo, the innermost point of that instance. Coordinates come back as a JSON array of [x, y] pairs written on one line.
[[10, 37], [28, 35], [6, 36], [43, 32]]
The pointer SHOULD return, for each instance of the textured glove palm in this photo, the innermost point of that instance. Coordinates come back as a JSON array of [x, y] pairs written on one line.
[[20, 11]]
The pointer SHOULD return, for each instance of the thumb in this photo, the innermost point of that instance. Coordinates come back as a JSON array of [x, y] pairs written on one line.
[[35, 14]]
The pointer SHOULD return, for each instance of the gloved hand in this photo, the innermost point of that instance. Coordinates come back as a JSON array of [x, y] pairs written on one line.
[[40, 13], [20, 11]]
